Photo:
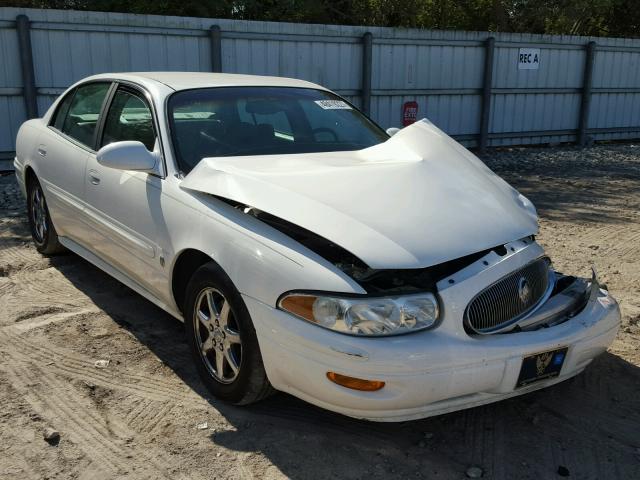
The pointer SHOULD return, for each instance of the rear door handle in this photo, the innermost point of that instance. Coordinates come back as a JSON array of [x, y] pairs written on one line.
[[93, 177], [42, 150]]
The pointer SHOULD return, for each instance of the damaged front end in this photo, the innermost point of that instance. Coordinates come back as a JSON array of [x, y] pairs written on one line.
[[568, 298], [398, 218], [373, 281], [529, 298], [498, 309], [561, 296]]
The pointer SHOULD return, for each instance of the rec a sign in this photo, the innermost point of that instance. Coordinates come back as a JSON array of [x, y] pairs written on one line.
[[528, 59]]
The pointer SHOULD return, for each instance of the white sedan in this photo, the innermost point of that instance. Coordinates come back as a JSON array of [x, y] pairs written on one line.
[[382, 275]]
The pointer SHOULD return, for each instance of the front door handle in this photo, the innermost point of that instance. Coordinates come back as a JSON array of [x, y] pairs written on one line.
[[93, 177], [42, 150]]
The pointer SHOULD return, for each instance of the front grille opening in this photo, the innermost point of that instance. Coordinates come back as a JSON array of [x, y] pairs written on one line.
[[509, 299], [501, 250]]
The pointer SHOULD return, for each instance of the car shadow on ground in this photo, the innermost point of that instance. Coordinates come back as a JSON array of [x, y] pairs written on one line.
[[590, 424]]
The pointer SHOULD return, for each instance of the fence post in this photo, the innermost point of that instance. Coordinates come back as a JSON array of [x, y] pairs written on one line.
[[585, 104], [216, 48], [29, 92], [367, 58], [487, 84]]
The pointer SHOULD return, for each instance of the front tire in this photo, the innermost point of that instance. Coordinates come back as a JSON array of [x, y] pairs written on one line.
[[43, 232], [222, 338]]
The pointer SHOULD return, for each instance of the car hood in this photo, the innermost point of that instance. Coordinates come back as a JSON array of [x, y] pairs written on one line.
[[416, 200]]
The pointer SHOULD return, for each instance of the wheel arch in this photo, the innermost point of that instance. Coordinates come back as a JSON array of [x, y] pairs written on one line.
[[185, 265], [29, 175]]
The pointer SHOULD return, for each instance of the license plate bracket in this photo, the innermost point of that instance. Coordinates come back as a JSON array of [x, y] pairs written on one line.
[[541, 366]]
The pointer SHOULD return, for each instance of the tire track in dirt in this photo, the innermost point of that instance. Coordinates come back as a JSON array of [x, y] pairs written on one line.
[[139, 407], [615, 240], [49, 407], [18, 252], [98, 435], [48, 287], [147, 415], [152, 421], [83, 369]]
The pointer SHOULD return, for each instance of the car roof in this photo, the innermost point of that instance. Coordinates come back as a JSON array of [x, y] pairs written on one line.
[[189, 80]]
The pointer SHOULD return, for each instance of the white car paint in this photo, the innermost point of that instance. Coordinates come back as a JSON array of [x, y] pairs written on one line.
[[416, 200], [382, 203]]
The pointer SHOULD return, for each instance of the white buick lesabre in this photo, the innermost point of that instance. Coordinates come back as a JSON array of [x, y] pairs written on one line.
[[307, 250]]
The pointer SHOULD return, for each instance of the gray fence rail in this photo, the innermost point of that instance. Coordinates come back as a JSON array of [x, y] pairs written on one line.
[[473, 85]]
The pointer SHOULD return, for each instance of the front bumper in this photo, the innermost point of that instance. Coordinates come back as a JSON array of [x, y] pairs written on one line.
[[431, 372]]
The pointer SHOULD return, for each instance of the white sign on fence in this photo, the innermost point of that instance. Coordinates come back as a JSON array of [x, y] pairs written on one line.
[[528, 59]]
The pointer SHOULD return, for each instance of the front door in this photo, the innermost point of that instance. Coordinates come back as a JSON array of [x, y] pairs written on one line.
[[124, 206]]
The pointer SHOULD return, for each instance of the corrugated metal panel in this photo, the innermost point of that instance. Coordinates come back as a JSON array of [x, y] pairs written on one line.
[[558, 69], [615, 110], [534, 112], [406, 67], [334, 65], [9, 74], [441, 70], [616, 70], [12, 112], [455, 114], [418, 67]]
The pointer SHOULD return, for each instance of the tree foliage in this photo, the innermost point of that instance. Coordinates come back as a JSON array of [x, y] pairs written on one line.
[[572, 17]]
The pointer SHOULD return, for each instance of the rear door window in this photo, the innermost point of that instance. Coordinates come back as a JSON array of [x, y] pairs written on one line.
[[82, 117]]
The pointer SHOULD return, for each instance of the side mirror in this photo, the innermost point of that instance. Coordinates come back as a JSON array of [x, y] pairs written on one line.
[[129, 155], [391, 131]]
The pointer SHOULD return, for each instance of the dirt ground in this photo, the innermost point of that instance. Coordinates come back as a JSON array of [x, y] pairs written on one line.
[[143, 415]]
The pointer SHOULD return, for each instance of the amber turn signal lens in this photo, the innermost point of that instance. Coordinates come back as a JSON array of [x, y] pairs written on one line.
[[355, 383], [301, 305]]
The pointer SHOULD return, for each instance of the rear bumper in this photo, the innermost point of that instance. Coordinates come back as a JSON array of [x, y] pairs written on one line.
[[426, 373]]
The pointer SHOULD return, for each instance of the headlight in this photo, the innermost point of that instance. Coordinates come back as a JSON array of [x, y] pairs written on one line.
[[373, 316]]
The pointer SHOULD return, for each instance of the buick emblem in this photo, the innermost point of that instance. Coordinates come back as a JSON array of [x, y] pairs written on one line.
[[524, 290]]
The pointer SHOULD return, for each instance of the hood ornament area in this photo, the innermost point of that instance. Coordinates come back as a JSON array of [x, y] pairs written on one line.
[[524, 290]]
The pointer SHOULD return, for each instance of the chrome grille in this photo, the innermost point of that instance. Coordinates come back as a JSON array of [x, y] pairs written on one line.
[[509, 299]]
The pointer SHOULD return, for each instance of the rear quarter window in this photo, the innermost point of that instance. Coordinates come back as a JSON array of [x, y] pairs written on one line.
[[61, 111]]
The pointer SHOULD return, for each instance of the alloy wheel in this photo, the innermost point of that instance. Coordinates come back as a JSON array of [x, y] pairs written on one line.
[[39, 213], [217, 335]]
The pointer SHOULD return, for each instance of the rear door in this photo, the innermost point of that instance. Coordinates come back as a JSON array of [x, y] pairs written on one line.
[[124, 206], [63, 151]]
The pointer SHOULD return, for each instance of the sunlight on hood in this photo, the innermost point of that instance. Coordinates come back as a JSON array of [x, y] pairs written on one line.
[[416, 200]]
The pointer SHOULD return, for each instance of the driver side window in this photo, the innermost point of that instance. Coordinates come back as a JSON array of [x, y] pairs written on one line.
[[129, 118]]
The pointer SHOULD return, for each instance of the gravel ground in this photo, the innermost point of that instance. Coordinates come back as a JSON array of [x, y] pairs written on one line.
[[142, 414]]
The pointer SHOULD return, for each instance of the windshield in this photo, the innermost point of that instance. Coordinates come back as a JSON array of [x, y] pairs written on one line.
[[237, 121]]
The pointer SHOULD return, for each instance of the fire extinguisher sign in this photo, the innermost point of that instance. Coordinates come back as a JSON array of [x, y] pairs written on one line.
[[409, 113]]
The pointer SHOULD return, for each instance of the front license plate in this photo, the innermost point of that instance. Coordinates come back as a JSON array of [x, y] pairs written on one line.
[[541, 366]]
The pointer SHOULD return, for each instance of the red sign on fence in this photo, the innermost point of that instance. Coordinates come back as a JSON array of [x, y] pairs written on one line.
[[409, 113]]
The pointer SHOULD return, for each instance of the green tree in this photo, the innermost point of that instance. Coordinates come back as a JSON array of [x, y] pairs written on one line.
[[573, 17]]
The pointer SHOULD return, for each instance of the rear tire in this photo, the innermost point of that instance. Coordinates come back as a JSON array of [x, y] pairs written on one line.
[[222, 338], [43, 232]]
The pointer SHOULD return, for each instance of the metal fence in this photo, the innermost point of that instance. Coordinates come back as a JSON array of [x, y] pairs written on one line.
[[482, 88]]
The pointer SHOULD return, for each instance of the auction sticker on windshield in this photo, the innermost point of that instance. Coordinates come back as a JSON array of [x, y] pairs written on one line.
[[333, 104]]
